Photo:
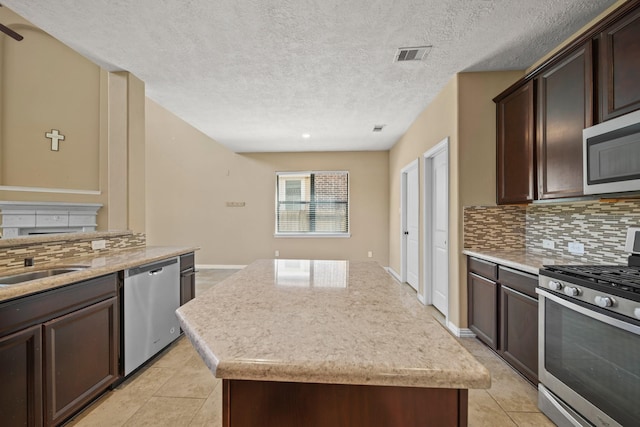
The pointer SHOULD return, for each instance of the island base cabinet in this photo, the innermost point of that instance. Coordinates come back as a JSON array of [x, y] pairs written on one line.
[[286, 404], [21, 378], [81, 358]]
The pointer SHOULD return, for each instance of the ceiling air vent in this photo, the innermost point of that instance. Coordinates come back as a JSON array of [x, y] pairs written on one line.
[[412, 53]]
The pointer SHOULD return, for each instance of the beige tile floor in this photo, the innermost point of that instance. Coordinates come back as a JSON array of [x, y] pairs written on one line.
[[176, 389]]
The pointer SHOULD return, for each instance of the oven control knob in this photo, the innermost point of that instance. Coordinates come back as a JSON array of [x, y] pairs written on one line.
[[556, 286], [571, 291], [604, 301]]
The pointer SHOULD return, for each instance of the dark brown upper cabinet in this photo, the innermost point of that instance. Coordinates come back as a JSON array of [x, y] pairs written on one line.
[[540, 118], [565, 107], [515, 145], [619, 68]]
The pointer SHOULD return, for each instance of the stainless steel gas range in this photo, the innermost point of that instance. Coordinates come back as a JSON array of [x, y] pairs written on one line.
[[589, 343]]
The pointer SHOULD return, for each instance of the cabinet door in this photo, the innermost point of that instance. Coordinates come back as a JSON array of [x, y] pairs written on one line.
[[483, 309], [187, 278], [619, 67], [81, 358], [565, 108], [519, 326], [21, 378], [515, 146]]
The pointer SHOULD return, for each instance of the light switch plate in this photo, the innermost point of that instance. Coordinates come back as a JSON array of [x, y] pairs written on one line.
[[548, 244]]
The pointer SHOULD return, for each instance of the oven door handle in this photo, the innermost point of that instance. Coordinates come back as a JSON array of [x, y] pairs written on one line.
[[587, 312]]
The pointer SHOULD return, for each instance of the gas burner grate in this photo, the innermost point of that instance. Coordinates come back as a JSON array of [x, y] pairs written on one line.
[[614, 275]]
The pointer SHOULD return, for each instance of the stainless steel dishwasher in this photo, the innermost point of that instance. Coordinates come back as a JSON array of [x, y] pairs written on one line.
[[151, 297]]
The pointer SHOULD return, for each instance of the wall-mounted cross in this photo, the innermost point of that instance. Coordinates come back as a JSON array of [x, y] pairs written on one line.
[[55, 137]]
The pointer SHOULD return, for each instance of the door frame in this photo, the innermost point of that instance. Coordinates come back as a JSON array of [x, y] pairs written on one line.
[[427, 158], [403, 216]]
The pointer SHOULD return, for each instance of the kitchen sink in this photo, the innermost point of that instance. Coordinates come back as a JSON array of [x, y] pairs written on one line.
[[17, 279]]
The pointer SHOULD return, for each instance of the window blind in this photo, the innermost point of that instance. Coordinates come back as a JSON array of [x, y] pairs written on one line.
[[312, 202]]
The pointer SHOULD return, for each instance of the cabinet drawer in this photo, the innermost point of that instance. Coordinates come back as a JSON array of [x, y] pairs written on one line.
[[187, 261], [483, 268], [518, 280], [30, 310]]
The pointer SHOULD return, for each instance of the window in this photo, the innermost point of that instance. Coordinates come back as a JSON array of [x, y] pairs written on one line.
[[312, 203]]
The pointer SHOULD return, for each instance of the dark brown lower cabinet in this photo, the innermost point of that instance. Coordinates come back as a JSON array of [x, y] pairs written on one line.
[[21, 378], [80, 358], [286, 404], [58, 350], [519, 327], [483, 309], [187, 278], [503, 313]]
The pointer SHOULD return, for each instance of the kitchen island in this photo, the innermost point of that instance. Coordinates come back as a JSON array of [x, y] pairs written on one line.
[[329, 343]]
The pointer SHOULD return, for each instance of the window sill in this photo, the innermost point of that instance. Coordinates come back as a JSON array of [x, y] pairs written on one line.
[[313, 235]]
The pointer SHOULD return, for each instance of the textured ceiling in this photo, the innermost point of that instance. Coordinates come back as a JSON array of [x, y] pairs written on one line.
[[255, 75]]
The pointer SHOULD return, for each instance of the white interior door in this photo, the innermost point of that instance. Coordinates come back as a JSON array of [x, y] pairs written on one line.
[[440, 231], [411, 229]]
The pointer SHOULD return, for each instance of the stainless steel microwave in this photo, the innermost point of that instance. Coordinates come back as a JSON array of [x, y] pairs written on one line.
[[611, 155]]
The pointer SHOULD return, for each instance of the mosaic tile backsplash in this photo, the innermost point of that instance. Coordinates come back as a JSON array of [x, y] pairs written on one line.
[[494, 227], [600, 226], [55, 250]]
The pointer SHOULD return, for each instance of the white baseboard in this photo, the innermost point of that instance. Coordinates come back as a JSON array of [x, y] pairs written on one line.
[[460, 332], [393, 274], [422, 298], [219, 267]]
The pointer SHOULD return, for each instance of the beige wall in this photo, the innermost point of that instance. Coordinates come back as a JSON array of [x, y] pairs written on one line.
[[436, 122], [125, 188], [44, 85], [190, 177], [464, 112]]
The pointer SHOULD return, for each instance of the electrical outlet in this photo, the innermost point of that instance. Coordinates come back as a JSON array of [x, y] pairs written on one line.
[[576, 248], [98, 244], [277, 253], [370, 254], [548, 244]]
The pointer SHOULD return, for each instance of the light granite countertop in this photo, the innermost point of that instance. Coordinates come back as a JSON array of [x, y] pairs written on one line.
[[333, 322], [519, 259], [97, 265]]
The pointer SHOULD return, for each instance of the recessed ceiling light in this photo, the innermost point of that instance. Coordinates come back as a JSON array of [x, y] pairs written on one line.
[[306, 135]]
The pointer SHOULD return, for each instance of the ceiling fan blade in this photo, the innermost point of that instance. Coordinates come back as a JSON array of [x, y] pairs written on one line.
[[8, 31]]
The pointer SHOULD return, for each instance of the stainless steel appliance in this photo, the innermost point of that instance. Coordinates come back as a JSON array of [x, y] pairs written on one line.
[[611, 155], [589, 345], [151, 297]]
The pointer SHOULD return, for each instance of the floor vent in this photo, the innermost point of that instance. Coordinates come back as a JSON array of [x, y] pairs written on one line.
[[412, 53]]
